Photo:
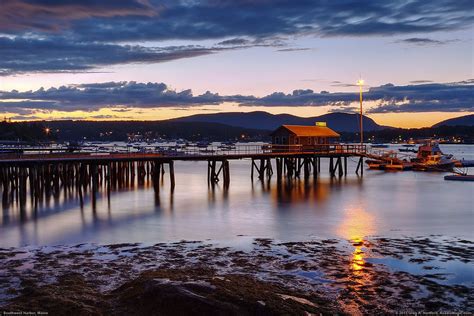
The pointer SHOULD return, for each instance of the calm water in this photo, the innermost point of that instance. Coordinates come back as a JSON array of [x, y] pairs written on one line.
[[380, 203]]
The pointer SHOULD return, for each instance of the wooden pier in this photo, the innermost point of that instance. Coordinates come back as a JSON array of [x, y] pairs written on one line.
[[39, 176]]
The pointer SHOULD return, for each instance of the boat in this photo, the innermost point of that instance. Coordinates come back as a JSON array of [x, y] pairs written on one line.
[[459, 177], [464, 163], [228, 143], [203, 144], [375, 164], [407, 150], [398, 165], [206, 151], [431, 158], [394, 165], [435, 163], [377, 145]]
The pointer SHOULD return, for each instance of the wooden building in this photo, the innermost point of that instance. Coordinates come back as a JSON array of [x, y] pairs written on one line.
[[318, 134]]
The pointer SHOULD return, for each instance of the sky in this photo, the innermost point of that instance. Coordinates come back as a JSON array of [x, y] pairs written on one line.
[[160, 59]]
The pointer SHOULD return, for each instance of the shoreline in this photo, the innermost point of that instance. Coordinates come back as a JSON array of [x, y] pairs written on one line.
[[376, 274]]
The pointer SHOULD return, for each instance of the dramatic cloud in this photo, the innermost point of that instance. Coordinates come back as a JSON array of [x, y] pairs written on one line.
[[174, 19], [122, 96], [61, 56], [47, 15], [90, 97], [234, 41], [454, 97], [52, 35], [424, 41], [450, 97]]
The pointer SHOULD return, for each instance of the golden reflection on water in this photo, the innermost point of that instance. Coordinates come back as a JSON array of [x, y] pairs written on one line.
[[357, 258], [356, 226]]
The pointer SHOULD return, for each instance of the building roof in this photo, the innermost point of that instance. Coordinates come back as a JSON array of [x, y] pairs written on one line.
[[309, 131]]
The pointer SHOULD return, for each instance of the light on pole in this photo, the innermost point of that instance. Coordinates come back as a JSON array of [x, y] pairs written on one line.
[[360, 83]]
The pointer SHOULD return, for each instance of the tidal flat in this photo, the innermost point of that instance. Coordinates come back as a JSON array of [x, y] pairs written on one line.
[[258, 276]]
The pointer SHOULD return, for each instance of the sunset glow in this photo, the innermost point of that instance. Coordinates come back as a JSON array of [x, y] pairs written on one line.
[[415, 75]]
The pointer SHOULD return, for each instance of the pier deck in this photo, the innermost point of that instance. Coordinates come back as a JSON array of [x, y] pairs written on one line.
[[189, 154], [48, 173]]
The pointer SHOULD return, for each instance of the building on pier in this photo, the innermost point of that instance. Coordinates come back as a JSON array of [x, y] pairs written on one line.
[[319, 134]]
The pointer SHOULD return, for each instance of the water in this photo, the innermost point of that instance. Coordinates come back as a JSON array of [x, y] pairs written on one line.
[[379, 203]]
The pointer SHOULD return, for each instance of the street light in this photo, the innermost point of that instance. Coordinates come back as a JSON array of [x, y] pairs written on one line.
[[360, 83]]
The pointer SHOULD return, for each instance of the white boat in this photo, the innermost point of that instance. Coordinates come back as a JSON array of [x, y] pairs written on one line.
[[378, 145]]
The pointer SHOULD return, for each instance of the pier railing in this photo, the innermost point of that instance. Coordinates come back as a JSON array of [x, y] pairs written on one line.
[[176, 151], [270, 149]]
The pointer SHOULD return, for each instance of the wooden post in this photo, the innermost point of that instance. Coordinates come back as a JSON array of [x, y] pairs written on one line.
[[261, 169], [251, 172], [331, 167], [360, 166], [209, 172], [339, 162], [171, 166], [345, 166], [226, 173], [269, 168], [213, 171], [315, 167], [306, 168], [279, 167]]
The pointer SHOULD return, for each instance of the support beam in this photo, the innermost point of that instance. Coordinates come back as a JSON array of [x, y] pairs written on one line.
[[171, 167], [339, 163], [345, 166], [331, 167]]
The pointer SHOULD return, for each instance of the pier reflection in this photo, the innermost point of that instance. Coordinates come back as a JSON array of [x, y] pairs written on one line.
[[101, 195], [71, 197], [314, 192]]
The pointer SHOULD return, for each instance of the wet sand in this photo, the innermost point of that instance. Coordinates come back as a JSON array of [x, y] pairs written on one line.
[[264, 276]]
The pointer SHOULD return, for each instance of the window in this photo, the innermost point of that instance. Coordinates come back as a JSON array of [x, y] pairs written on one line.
[[277, 140], [297, 140]]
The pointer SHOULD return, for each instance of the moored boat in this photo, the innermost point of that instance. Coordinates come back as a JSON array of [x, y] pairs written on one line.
[[408, 150], [378, 145], [399, 166], [431, 158], [375, 164], [390, 166], [460, 177]]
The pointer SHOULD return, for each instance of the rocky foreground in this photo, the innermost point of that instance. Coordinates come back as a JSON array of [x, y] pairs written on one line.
[[373, 276]]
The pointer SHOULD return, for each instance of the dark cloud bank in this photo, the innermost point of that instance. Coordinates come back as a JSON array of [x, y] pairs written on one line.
[[79, 35], [445, 97]]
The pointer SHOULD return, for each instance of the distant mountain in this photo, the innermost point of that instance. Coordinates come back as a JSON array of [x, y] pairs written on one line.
[[119, 130], [341, 122], [466, 120]]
